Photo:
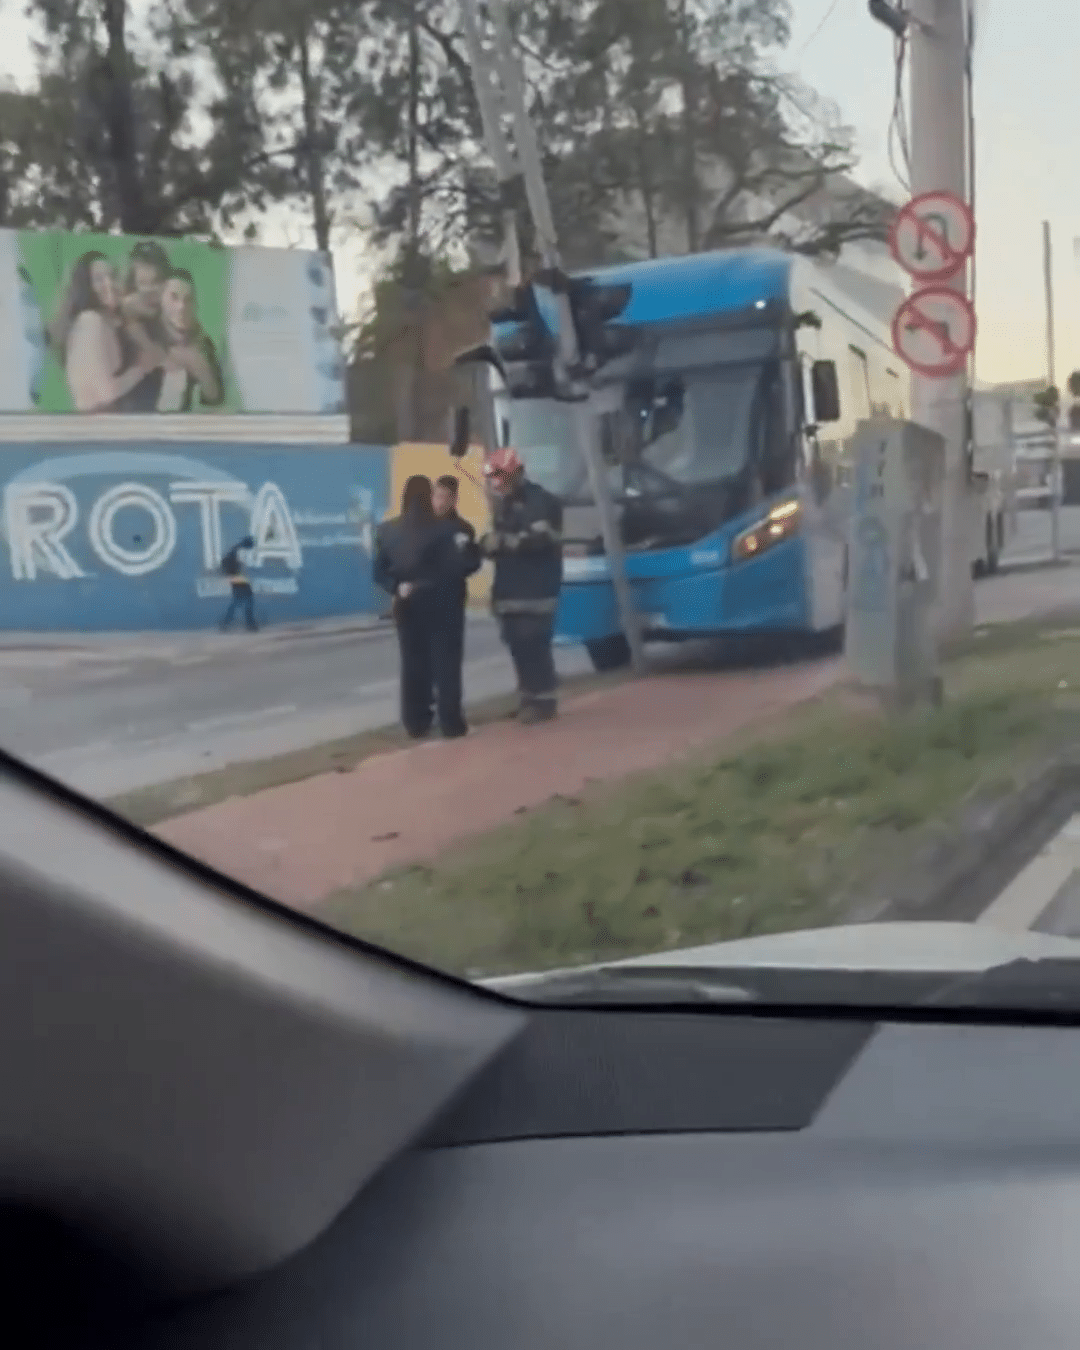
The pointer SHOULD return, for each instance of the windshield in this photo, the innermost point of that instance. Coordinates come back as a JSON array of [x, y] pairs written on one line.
[[542, 432], [813, 672], [692, 429], [698, 427]]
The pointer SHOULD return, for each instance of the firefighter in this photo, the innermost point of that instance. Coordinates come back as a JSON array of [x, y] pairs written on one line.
[[525, 543], [419, 562]]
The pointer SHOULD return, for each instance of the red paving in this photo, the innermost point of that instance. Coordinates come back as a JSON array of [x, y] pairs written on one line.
[[301, 842]]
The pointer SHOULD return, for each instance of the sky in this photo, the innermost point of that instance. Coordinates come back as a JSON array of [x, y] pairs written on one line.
[[1027, 99]]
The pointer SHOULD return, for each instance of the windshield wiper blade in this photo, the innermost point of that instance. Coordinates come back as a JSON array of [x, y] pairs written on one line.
[[632, 984]]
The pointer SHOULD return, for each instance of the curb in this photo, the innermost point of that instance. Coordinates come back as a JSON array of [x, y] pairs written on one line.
[[955, 879], [155, 641]]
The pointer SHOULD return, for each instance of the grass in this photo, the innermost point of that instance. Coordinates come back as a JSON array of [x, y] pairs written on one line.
[[150, 805], [776, 831]]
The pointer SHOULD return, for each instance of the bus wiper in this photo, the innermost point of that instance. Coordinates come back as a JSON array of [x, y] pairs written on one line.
[[611, 985]]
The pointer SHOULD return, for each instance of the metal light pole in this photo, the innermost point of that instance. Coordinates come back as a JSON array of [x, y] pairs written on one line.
[[497, 79], [939, 161]]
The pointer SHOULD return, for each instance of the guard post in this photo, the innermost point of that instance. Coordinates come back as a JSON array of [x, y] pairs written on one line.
[[894, 562]]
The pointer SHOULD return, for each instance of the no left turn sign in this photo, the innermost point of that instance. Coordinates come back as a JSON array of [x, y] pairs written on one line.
[[933, 236], [934, 331]]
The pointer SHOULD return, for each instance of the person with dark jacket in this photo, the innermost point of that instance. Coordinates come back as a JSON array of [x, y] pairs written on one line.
[[419, 562], [445, 500], [525, 542], [242, 596]]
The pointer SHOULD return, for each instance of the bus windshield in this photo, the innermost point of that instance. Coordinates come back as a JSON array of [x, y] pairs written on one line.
[[541, 430], [695, 427], [690, 429]]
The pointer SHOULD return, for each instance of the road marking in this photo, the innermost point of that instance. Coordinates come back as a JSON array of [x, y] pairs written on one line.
[[1026, 898], [241, 718]]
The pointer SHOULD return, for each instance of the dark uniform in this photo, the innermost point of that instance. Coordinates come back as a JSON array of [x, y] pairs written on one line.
[[425, 554], [526, 544], [470, 559]]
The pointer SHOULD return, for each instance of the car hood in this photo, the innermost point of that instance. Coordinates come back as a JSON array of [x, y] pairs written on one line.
[[957, 948]]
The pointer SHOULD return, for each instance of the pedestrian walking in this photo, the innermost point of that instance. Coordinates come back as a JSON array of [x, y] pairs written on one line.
[[420, 563], [242, 597], [445, 501], [525, 542]]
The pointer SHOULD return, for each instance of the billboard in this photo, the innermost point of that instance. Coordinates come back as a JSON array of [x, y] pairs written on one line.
[[112, 324]]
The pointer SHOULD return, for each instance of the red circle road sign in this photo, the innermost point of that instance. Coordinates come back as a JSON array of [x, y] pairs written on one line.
[[933, 331], [932, 236]]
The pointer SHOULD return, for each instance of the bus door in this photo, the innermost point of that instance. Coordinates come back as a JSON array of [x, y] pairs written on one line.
[[824, 529]]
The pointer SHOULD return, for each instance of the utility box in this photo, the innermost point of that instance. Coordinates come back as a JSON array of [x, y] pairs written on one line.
[[894, 560]]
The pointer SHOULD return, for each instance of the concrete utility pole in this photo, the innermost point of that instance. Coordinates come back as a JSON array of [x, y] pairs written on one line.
[[936, 35], [499, 86], [1051, 379]]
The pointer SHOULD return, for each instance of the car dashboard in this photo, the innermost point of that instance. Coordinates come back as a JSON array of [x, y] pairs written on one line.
[[636, 1180]]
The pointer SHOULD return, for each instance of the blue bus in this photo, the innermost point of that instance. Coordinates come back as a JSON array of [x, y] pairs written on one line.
[[726, 417]]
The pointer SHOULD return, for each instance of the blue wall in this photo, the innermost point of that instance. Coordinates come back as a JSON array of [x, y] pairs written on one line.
[[100, 537]]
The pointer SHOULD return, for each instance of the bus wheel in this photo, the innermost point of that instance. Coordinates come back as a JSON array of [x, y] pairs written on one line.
[[610, 653]]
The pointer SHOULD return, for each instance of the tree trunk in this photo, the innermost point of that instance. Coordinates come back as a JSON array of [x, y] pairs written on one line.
[[313, 154], [646, 186], [688, 83], [119, 113], [412, 272]]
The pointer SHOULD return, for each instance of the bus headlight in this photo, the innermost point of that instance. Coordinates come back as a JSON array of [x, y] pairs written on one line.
[[781, 523]]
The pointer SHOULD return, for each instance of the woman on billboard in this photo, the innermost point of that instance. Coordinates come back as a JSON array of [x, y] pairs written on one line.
[[100, 358]]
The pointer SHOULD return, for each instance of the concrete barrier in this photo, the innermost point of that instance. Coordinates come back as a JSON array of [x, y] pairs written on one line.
[[105, 537]]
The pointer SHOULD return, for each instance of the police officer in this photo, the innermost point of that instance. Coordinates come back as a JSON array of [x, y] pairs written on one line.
[[452, 655], [525, 542], [419, 562]]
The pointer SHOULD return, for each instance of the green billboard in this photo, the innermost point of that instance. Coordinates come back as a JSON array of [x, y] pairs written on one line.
[[93, 324]]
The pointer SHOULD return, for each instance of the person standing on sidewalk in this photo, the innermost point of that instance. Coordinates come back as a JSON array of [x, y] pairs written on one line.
[[525, 542], [452, 660], [419, 563], [242, 597]]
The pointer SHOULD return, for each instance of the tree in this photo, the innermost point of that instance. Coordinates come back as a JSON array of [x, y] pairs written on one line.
[[301, 65], [109, 136], [685, 120]]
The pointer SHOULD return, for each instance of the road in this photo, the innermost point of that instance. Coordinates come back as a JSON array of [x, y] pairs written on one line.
[[113, 721], [120, 714], [1032, 537]]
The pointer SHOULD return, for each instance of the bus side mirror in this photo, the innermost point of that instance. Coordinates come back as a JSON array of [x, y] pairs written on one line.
[[461, 434], [825, 387]]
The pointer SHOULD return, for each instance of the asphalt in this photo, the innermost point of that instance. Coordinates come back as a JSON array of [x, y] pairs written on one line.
[[113, 712], [108, 717]]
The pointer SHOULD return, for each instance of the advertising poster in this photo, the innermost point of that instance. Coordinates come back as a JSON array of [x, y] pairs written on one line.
[[115, 324]]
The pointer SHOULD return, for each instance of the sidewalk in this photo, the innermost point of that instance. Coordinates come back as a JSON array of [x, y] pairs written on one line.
[[301, 842], [113, 645], [162, 645]]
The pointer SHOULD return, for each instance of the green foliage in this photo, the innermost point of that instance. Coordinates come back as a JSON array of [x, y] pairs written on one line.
[[663, 125], [1047, 405]]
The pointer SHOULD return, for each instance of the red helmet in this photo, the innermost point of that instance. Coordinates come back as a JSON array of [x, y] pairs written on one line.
[[502, 462]]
